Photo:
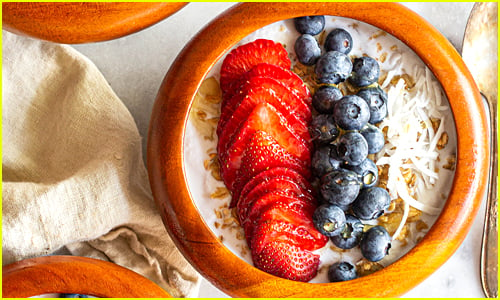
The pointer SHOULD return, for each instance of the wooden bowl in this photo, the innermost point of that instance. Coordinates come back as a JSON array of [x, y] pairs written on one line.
[[198, 243], [75, 275], [75, 22]]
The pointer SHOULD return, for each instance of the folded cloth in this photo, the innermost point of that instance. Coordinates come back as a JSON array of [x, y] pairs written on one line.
[[73, 173]]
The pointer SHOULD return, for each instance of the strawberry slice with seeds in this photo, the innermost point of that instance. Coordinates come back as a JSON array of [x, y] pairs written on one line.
[[297, 235], [244, 57], [283, 185], [229, 125], [280, 145], [285, 76], [265, 89], [267, 175], [263, 153], [279, 206], [287, 261]]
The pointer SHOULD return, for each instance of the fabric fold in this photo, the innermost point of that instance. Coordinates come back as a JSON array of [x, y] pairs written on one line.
[[73, 173]]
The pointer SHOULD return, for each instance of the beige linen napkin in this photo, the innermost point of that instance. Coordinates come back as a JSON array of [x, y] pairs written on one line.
[[73, 173]]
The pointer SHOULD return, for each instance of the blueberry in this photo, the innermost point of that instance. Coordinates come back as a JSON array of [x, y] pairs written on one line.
[[312, 25], [338, 40], [375, 243], [341, 271], [307, 49], [323, 129], [367, 172], [352, 148], [333, 67], [325, 97], [340, 187], [350, 235], [371, 203], [351, 112], [65, 295], [325, 160], [376, 99], [365, 71], [329, 219], [374, 137]]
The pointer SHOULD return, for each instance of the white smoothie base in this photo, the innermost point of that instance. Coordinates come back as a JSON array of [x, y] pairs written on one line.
[[366, 40]]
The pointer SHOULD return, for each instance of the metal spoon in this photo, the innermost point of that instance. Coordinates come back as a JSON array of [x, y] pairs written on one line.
[[479, 52]]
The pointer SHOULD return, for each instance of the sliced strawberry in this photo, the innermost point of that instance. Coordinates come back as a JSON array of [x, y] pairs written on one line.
[[283, 185], [226, 129], [279, 206], [244, 57], [285, 76], [263, 153], [286, 261], [279, 137], [266, 89], [297, 235], [284, 173]]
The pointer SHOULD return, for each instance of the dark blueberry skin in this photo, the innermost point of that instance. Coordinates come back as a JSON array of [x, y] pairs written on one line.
[[307, 49], [374, 137], [351, 112], [329, 219], [376, 99], [340, 187], [325, 97], [312, 25], [333, 67], [73, 296], [325, 160], [323, 129], [338, 40], [351, 235], [371, 203], [375, 243], [367, 172], [352, 148], [341, 271], [365, 71]]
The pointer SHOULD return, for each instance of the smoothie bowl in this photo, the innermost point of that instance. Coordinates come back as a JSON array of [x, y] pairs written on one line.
[[245, 185]]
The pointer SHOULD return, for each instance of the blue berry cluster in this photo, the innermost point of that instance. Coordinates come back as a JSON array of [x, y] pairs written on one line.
[[344, 133]]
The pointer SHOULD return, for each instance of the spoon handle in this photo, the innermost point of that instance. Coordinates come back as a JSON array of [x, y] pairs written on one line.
[[489, 247]]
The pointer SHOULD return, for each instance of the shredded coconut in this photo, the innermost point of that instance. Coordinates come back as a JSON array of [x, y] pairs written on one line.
[[412, 138]]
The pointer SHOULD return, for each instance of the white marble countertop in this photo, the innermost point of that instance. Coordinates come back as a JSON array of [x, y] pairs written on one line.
[[135, 66]]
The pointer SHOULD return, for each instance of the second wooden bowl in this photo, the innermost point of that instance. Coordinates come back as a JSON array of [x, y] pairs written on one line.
[[76, 22], [75, 275]]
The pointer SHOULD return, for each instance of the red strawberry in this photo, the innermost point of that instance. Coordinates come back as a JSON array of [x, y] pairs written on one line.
[[273, 92], [283, 173], [278, 230], [287, 261], [279, 206], [291, 149], [283, 185], [263, 153], [285, 76], [231, 122], [244, 57]]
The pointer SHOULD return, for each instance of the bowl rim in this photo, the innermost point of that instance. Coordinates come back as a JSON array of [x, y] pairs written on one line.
[[75, 275], [198, 243], [91, 22]]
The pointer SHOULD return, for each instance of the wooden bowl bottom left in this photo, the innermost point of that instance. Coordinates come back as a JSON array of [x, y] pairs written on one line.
[[76, 275]]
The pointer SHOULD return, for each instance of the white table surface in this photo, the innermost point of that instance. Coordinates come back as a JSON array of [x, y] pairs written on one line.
[[135, 66]]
